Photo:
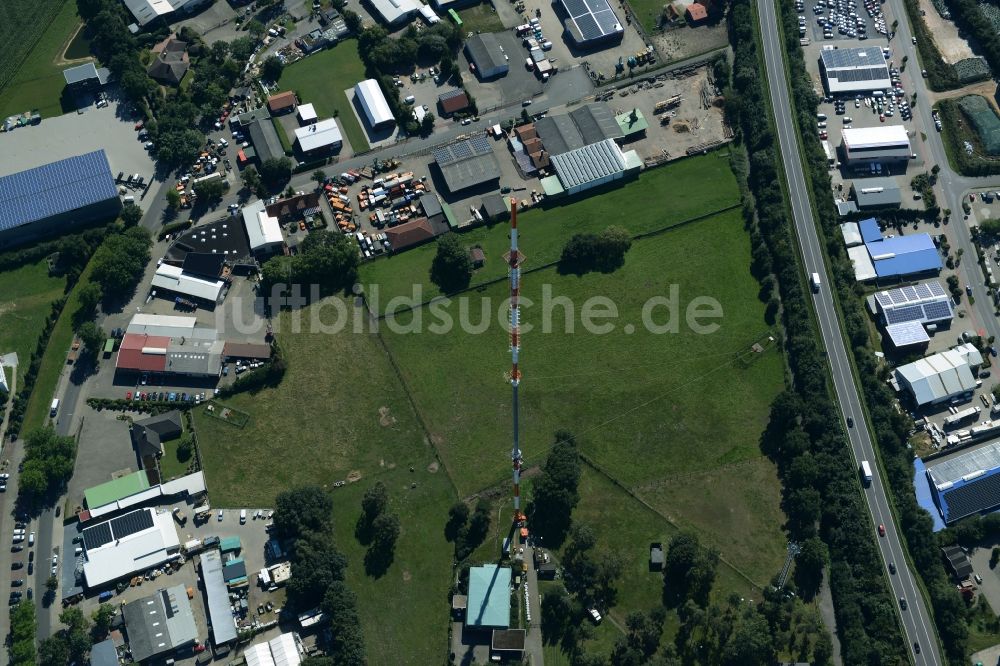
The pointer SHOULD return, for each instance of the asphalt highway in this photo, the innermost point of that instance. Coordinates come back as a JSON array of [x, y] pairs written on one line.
[[916, 620]]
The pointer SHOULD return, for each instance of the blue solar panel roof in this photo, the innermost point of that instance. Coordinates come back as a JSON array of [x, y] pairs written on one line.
[[59, 187]]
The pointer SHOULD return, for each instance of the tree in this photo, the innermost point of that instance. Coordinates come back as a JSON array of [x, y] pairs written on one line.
[[48, 463], [210, 191], [301, 510], [319, 176], [185, 448], [93, 339], [427, 124], [103, 617], [242, 48], [76, 634], [458, 516], [23, 627], [120, 261], [381, 552], [271, 68], [53, 651], [373, 505], [89, 296], [352, 21], [809, 565], [327, 259], [275, 171], [256, 28], [688, 570], [316, 565], [604, 252], [347, 643], [555, 492], [479, 524], [131, 214], [251, 179], [173, 199], [451, 269], [557, 615]]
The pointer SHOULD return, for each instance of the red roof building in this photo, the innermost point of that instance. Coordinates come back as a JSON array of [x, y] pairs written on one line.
[[409, 234], [453, 101], [145, 353], [696, 12], [283, 102]]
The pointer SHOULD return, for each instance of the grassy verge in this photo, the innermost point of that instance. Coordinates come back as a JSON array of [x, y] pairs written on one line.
[[659, 198], [54, 360], [286, 145], [322, 79], [25, 303], [38, 83], [481, 18]]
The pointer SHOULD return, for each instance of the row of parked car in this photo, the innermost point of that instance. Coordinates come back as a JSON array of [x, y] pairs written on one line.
[[164, 396]]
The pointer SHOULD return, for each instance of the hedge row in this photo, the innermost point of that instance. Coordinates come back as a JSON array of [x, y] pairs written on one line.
[[20, 402]]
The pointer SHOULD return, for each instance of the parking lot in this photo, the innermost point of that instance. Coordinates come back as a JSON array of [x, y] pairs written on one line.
[[110, 128], [840, 19], [512, 88]]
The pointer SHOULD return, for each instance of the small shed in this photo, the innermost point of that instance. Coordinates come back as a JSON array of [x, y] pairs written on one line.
[[459, 603], [696, 12], [546, 571], [495, 208], [477, 257], [231, 544], [656, 556]]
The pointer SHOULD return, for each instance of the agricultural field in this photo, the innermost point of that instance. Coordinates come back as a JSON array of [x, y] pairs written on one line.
[[33, 36], [341, 413], [322, 79], [685, 190], [24, 305]]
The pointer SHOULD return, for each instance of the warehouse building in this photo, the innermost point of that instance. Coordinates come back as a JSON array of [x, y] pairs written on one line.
[[585, 125], [589, 167], [160, 624], [320, 138], [876, 193], [394, 12], [85, 77], [489, 598], [486, 55], [175, 281], [925, 303], [55, 197], [170, 344], [415, 232], [966, 483], [264, 137], [885, 143], [128, 544], [372, 101], [263, 230], [468, 163], [220, 614], [283, 650], [940, 377], [591, 23], [147, 11], [854, 70], [893, 258], [909, 335]]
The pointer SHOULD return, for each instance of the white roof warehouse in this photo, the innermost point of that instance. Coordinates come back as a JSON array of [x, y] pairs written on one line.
[[373, 103], [134, 542], [854, 70], [320, 136]]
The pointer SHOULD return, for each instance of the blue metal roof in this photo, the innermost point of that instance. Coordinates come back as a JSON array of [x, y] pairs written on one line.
[[58, 187], [489, 597], [904, 255], [869, 230]]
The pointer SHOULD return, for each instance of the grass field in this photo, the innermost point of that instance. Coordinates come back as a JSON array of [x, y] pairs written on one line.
[[170, 465], [481, 18], [321, 424], [24, 304], [648, 12], [41, 29], [687, 189], [322, 79], [54, 360]]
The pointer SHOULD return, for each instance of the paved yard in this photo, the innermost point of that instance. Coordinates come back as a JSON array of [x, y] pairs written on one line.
[[104, 448]]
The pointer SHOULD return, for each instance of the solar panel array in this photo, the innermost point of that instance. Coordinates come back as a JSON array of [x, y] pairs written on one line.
[[58, 187], [907, 333], [593, 18], [925, 302], [973, 497], [861, 74], [457, 152], [865, 56], [117, 528]]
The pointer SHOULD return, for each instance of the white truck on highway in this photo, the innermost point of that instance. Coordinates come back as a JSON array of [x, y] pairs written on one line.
[[814, 280], [866, 472]]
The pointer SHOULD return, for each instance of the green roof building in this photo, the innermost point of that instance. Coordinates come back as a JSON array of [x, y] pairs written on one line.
[[632, 123], [116, 489], [489, 597], [230, 544]]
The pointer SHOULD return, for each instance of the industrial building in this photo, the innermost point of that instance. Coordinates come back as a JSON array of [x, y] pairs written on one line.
[[966, 483], [374, 105], [160, 624], [174, 280], [57, 196], [925, 303], [128, 544], [116, 489], [319, 138], [220, 615], [112, 497], [583, 126], [879, 258], [283, 650], [394, 12], [467, 163], [170, 344], [489, 597], [307, 114], [940, 377], [452, 101], [854, 70], [415, 232], [263, 230], [264, 137], [876, 193], [85, 77], [907, 335], [146, 11], [589, 167], [591, 23], [885, 143], [486, 55]]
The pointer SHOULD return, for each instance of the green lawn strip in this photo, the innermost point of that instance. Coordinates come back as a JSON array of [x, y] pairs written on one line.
[[481, 18], [648, 12], [54, 359], [286, 145], [408, 606], [634, 399], [322, 79], [39, 82], [170, 465], [24, 305], [658, 198]]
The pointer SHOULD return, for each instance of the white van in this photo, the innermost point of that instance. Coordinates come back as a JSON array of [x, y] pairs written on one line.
[[409, 99], [129, 199], [243, 516], [54, 407]]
